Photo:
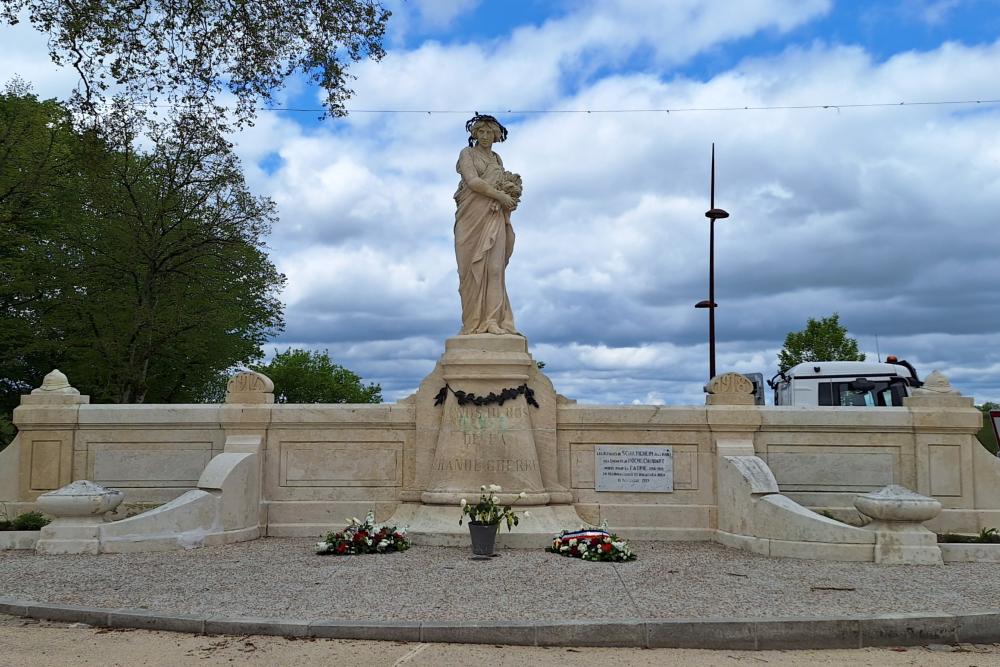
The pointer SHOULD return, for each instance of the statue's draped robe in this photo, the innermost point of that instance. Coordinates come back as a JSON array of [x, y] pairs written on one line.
[[484, 241]]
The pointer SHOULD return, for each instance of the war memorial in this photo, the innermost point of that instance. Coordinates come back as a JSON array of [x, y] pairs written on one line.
[[872, 486]]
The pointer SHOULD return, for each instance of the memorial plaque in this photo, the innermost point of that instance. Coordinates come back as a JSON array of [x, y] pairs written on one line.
[[633, 468]]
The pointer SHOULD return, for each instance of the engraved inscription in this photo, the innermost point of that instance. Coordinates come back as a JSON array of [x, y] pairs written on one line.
[[730, 383], [485, 425], [487, 465], [246, 383], [633, 468]]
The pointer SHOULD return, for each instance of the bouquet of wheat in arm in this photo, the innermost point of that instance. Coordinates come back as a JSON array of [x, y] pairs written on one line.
[[484, 237]]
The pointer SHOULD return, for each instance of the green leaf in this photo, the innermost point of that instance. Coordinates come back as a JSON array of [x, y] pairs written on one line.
[[301, 376], [145, 52], [822, 340]]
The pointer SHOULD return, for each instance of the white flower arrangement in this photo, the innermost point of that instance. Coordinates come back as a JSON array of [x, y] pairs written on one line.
[[488, 510]]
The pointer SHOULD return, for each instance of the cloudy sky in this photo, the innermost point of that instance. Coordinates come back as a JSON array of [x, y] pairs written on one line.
[[884, 214]]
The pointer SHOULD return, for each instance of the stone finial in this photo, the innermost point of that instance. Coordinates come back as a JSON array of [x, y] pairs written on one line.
[[937, 392], [55, 390], [56, 382], [250, 387], [729, 389], [936, 383]]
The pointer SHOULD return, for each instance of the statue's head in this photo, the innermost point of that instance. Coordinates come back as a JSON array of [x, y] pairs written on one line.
[[473, 125]]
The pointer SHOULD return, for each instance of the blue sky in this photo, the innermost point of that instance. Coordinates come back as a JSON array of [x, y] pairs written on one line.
[[885, 215]]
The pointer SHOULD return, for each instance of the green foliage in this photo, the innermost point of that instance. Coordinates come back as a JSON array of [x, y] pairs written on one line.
[[822, 340], [189, 52], [301, 376], [26, 521], [7, 429], [986, 434], [29, 521], [985, 536], [141, 274]]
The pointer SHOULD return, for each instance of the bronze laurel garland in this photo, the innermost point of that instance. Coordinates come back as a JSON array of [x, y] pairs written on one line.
[[471, 399]]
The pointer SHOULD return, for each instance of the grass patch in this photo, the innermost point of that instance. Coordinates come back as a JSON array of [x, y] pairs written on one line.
[[985, 536], [26, 521]]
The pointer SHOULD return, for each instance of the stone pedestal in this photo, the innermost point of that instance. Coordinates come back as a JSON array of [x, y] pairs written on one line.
[[898, 513], [79, 510], [493, 443]]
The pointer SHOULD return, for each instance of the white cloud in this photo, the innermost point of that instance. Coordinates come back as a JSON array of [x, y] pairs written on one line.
[[26, 55], [884, 215], [868, 212]]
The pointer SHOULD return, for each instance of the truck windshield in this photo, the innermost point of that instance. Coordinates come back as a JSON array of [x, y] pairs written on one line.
[[882, 394]]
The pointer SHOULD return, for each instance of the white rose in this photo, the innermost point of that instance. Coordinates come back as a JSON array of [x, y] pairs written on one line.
[[527, 515], [495, 488], [482, 488], [464, 502], [522, 494], [581, 547], [354, 521]]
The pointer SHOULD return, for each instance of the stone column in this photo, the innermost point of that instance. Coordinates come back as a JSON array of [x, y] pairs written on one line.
[[46, 420], [245, 418], [946, 452]]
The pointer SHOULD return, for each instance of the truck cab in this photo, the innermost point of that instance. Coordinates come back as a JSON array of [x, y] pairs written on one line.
[[845, 384]]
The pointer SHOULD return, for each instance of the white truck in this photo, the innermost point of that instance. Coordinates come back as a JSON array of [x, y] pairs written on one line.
[[845, 383]]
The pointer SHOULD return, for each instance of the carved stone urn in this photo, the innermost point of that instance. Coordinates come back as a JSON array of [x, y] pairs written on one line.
[[900, 537], [79, 510]]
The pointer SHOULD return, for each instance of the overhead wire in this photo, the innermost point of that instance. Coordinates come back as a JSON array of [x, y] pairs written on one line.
[[666, 110]]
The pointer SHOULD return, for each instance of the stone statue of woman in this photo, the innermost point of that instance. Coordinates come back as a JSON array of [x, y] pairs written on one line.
[[484, 238]]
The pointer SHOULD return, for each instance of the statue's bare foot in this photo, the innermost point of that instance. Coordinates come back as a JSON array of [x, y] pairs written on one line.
[[493, 328]]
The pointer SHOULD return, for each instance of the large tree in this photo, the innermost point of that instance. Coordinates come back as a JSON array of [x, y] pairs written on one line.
[[301, 376], [37, 173], [140, 273], [190, 52], [824, 339]]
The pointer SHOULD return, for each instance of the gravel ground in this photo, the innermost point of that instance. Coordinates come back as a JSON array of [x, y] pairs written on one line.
[[283, 577]]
